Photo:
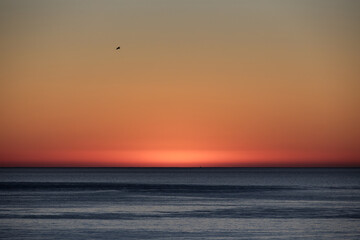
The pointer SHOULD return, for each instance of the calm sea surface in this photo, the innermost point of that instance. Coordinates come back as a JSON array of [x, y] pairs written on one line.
[[179, 203]]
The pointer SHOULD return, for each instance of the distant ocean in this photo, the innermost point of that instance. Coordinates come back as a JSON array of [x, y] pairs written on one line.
[[179, 203]]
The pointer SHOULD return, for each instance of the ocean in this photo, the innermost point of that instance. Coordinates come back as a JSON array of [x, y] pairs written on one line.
[[179, 203]]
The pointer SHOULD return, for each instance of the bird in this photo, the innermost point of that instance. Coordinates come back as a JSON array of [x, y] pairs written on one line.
[[118, 48]]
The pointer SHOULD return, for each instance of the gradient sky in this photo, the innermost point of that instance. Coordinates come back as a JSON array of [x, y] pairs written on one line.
[[196, 83]]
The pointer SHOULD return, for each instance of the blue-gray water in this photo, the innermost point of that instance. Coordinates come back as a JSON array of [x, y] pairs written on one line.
[[179, 203]]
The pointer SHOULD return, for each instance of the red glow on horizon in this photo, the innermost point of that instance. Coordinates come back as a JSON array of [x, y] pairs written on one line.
[[177, 158]]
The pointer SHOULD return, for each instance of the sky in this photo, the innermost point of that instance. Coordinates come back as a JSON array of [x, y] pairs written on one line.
[[196, 83]]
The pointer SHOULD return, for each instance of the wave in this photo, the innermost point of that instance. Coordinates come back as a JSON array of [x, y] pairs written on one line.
[[131, 187], [238, 212]]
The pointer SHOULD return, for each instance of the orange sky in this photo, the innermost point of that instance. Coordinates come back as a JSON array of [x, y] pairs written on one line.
[[196, 83]]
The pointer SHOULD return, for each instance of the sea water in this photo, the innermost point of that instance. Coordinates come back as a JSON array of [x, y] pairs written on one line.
[[179, 203]]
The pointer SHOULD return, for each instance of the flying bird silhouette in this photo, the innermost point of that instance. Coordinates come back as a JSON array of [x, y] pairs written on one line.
[[117, 48]]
